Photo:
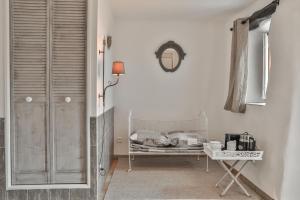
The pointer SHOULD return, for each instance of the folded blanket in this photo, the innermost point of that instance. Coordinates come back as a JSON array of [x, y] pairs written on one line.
[[171, 139], [162, 142], [145, 148]]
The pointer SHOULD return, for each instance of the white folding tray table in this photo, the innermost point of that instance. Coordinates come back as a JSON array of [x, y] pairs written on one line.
[[237, 156]]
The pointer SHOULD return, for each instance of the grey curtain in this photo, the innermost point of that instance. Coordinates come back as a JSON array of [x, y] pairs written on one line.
[[261, 15], [236, 100]]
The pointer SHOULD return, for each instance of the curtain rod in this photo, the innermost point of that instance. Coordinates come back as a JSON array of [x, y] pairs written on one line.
[[277, 2]]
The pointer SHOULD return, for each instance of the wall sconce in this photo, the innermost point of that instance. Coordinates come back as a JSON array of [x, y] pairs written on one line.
[[109, 41], [117, 69]]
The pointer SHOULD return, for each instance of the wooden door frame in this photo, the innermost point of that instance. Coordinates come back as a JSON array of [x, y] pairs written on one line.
[[91, 14]]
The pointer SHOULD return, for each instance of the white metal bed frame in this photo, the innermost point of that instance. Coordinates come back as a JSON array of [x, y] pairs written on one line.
[[131, 153]]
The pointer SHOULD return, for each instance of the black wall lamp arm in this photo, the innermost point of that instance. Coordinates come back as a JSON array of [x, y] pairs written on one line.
[[110, 84]]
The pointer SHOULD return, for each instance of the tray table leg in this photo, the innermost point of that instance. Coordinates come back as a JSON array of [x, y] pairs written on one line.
[[231, 168], [234, 178]]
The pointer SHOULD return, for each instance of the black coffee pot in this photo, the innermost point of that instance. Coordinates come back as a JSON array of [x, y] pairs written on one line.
[[246, 142]]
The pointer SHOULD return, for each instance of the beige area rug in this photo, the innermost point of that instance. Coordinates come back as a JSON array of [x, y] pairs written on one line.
[[170, 178]]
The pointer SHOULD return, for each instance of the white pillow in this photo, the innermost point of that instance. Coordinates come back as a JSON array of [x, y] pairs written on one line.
[[141, 135], [192, 138], [134, 136]]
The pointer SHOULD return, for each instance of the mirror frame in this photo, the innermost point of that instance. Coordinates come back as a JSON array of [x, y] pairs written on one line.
[[170, 45]]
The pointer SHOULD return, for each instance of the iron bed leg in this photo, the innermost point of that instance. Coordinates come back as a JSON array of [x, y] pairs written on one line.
[[206, 163], [132, 157], [129, 163], [198, 157]]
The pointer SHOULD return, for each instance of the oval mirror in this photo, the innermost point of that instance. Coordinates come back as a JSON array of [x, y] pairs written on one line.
[[170, 56]]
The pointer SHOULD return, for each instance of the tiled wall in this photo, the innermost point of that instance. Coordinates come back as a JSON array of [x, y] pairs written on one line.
[[2, 164], [67, 194], [108, 143]]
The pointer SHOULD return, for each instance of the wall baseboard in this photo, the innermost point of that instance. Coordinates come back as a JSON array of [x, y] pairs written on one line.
[[251, 185]]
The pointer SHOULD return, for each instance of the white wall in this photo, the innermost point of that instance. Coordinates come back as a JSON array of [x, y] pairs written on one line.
[[2, 7], [146, 88], [291, 180], [202, 82], [104, 29], [270, 124]]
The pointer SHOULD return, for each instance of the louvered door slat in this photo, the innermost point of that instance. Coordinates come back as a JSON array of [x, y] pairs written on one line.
[[29, 38], [68, 80], [68, 18]]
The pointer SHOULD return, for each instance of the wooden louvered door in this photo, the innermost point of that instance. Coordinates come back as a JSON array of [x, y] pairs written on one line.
[[29, 92], [68, 91], [48, 91]]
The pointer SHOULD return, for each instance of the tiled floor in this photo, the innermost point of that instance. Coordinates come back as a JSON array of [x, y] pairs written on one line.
[[170, 178]]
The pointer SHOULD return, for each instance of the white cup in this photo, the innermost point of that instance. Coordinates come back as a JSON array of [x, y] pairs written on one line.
[[215, 145]]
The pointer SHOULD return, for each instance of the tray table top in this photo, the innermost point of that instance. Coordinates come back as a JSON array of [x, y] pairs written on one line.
[[232, 155]]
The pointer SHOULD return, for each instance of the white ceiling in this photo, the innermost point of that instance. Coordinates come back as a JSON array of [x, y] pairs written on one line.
[[175, 9]]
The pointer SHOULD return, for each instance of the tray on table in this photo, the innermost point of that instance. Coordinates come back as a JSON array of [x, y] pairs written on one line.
[[232, 155]]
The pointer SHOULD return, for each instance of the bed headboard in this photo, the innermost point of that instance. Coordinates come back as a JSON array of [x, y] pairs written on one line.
[[200, 124]]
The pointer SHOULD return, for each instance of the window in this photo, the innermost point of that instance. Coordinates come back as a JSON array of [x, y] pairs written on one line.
[[258, 64], [267, 64]]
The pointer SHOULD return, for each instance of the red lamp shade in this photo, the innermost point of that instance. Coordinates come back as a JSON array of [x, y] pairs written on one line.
[[118, 68]]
